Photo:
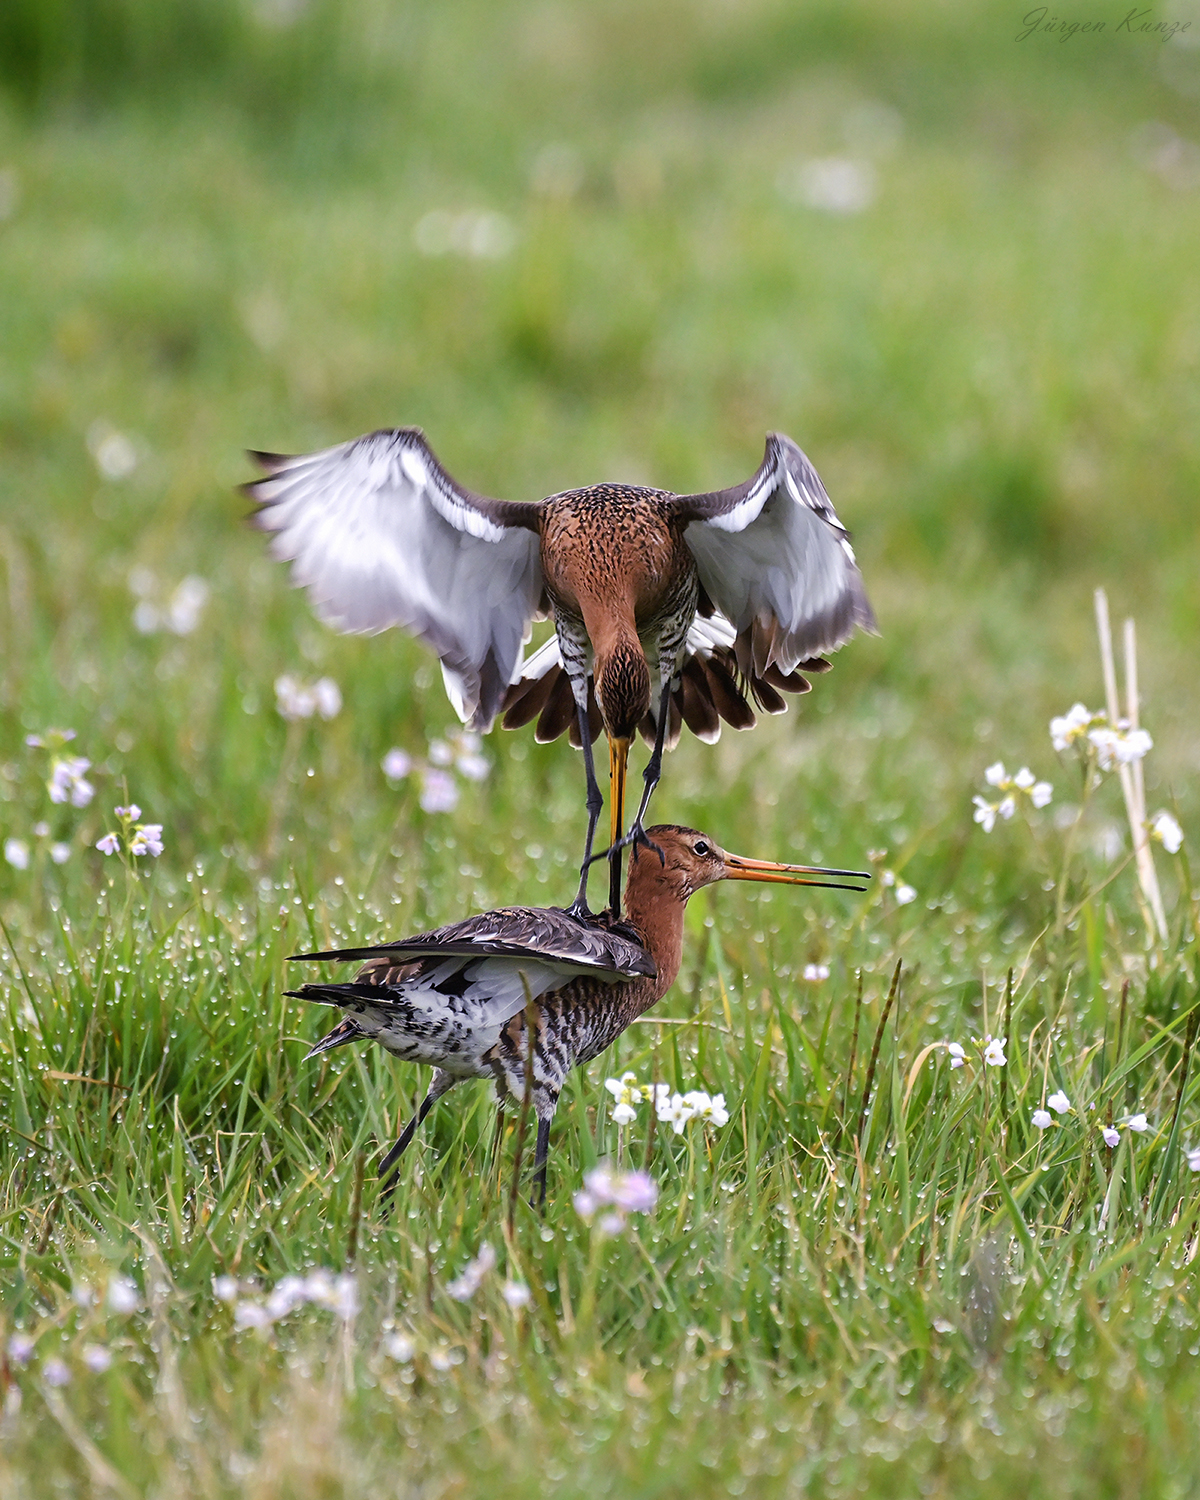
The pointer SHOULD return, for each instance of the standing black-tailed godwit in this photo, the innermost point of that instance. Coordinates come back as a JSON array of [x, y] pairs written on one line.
[[668, 609], [457, 998]]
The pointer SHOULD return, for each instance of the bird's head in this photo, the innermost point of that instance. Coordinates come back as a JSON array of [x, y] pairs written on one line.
[[623, 687], [683, 861]]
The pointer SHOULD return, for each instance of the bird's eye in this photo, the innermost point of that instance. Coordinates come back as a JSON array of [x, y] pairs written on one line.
[[700, 847]]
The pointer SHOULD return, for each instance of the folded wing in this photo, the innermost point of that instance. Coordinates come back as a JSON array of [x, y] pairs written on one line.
[[778, 564], [541, 934], [380, 535]]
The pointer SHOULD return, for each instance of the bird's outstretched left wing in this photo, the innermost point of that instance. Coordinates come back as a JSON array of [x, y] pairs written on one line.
[[379, 534], [777, 562]]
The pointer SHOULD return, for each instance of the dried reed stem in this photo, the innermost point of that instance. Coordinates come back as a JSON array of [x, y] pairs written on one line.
[[1155, 917]]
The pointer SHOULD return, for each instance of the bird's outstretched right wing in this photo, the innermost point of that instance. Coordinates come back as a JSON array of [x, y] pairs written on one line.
[[777, 563], [379, 534]]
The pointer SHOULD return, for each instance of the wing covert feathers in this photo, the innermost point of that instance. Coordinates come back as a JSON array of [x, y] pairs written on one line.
[[778, 564], [544, 933], [379, 534]]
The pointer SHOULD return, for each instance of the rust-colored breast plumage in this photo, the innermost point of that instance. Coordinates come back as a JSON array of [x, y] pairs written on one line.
[[612, 548]]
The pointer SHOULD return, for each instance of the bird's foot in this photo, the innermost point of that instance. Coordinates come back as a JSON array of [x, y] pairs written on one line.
[[580, 910], [635, 838]]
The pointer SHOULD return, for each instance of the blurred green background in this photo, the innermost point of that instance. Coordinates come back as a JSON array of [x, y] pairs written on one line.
[[585, 241], [575, 242]]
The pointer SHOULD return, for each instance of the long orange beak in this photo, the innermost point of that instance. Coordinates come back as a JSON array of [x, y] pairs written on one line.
[[739, 868], [618, 760]]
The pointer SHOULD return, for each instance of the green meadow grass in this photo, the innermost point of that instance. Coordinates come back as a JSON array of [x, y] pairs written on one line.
[[879, 1276]]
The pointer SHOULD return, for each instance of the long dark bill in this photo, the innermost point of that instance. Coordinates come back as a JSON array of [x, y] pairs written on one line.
[[739, 868]]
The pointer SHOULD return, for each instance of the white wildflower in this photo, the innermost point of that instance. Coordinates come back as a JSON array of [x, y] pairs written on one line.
[[1059, 1103], [815, 973], [1040, 793], [1042, 1118], [1139, 1124], [114, 454], [468, 759], [123, 1296], [628, 1192], [147, 839], [1119, 746], [225, 1288], [675, 1111], [995, 775], [288, 1294], [397, 764], [1024, 779], [464, 1287], [16, 852], [327, 697], [710, 1109], [97, 1358], [400, 1347], [60, 853], [958, 1054], [251, 1315], [993, 1051], [985, 813], [21, 1347], [56, 1373], [439, 791], [624, 1114], [516, 1294], [1071, 726], [292, 699], [295, 699], [1006, 807], [128, 814], [1110, 1136], [474, 767], [67, 781], [1168, 832], [440, 753], [830, 184], [109, 844], [1193, 1158], [187, 605]]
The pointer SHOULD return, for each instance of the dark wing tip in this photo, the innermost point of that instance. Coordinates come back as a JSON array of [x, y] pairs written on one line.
[[270, 463]]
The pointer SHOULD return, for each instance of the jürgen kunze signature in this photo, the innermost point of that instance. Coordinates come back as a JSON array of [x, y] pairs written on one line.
[[1135, 23]]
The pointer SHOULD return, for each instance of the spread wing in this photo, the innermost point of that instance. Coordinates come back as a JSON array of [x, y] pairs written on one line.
[[379, 534], [777, 562]]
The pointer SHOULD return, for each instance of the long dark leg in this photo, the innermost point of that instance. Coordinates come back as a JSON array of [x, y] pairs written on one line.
[[540, 1158], [653, 772], [440, 1083], [595, 803]]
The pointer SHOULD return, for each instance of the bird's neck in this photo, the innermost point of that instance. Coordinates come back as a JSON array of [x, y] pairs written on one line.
[[655, 912]]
